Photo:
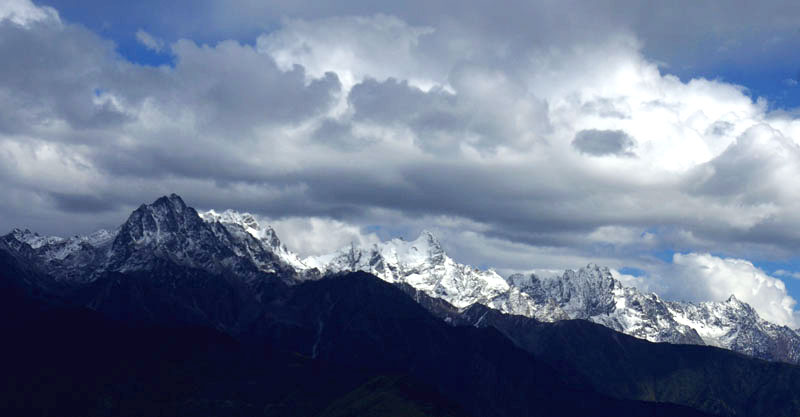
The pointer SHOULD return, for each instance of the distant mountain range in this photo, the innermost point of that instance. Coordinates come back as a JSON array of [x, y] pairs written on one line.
[[398, 325]]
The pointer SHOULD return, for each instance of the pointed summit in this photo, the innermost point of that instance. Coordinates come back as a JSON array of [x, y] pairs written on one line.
[[23, 235], [172, 201], [428, 236], [167, 228], [591, 266], [740, 305], [427, 239], [166, 215], [271, 238], [170, 230]]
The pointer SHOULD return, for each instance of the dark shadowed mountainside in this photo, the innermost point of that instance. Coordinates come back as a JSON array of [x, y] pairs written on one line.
[[715, 380], [341, 346]]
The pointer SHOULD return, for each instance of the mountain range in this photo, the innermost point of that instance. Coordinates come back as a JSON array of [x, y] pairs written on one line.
[[589, 293], [237, 244], [474, 342]]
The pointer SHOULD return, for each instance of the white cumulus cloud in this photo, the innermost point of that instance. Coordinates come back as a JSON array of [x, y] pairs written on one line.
[[704, 276], [314, 236]]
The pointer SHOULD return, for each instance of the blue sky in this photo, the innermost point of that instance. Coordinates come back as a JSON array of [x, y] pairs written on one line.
[[777, 85], [530, 135]]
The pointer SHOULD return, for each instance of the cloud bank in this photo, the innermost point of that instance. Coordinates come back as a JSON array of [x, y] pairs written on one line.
[[536, 152]]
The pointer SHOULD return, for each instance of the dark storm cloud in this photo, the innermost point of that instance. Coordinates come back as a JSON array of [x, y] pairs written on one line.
[[544, 214], [66, 72], [442, 121], [519, 211], [181, 156], [394, 101], [604, 142], [82, 203], [54, 72], [61, 71], [605, 107], [234, 87], [434, 116], [339, 135], [748, 170]]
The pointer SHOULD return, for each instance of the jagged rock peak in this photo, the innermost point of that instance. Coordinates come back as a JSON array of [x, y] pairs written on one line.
[[421, 263], [247, 221], [603, 270], [173, 201], [735, 304], [520, 280], [37, 241], [229, 216], [33, 239], [426, 247], [428, 237], [593, 274], [232, 219], [271, 237], [22, 234], [165, 216]]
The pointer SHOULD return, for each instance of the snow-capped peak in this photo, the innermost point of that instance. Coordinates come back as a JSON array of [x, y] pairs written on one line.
[[428, 238], [733, 300], [34, 240], [264, 234], [246, 220], [421, 263], [425, 249], [63, 258], [58, 248], [592, 293]]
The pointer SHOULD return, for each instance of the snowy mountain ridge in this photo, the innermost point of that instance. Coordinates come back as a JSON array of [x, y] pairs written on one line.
[[266, 235], [589, 293], [235, 243], [421, 263]]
